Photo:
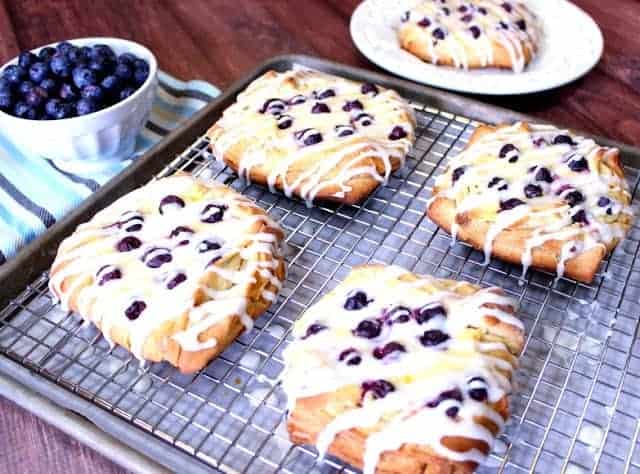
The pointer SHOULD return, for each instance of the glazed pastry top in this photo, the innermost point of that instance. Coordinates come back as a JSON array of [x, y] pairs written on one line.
[[461, 25], [175, 246], [297, 127], [418, 351], [549, 182]]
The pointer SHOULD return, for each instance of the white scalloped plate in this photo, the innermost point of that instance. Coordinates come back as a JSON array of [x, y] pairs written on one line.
[[572, 45]]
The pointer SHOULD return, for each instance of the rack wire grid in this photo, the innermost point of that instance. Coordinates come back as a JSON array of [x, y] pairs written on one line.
[[578, 387]]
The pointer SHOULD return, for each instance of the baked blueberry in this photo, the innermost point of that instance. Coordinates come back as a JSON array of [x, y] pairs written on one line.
[[378, 388], [320, 108], [495, 180], [438, 34], [208, 245], [603, 201], [457, 173], [369, 88], [398, 315], [135, 309], [540, 142], [107, 273], [284, 121], [563, 140], [573, 198], [425, 22], [364, 119], [212, 213], [507, 7], [453, 394], [509, 204], [581, 164], [466, 18], [368, 329], [532, 191], [308, 137], [85, 106], [430, 311], [297, 100], [314, 328], [356, 301], [478, 389], [387, 349], [475, 31], [433, 337], [170, 202], [521, 24], [344, 130], [580, 217], [544, 175], [350, 356], [352, 105], [156, 257], [176, 280], [325, 94], [182, 231], [273, 107], [128, 243], [482, 10], [397, 133]]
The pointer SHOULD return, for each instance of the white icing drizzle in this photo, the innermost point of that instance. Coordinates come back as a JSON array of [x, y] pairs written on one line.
[[461, 26], [196, 252], [554, 211], [419, 374], [292, 158]]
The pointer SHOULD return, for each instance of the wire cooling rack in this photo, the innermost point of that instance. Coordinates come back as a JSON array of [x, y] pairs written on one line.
[[578, 399]]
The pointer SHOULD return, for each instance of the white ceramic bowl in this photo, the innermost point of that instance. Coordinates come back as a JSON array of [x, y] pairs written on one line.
[[103, 136]]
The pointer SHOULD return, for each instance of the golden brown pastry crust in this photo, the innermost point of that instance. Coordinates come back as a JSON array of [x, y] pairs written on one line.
[[509, 245], [330, 184], [310, 415], [159, 344]]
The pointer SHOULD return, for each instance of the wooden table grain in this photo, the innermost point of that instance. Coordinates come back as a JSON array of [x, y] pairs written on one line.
[[220, 40]]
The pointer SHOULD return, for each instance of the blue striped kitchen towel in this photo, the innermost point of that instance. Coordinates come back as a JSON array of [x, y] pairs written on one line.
[[35, 192]]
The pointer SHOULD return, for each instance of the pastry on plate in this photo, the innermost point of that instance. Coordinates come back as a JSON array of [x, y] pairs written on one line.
[[535, 195], [173, 271], [471, 34], [314, 135], [394, 372]]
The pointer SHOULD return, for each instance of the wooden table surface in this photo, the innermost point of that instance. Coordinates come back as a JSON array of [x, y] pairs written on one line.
[[220, 40]]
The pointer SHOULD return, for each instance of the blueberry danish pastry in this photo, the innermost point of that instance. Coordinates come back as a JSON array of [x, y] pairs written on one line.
[[172, 271], [399, 373]]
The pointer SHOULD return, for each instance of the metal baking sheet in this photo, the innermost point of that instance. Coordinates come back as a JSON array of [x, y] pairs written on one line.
[[577, 405]]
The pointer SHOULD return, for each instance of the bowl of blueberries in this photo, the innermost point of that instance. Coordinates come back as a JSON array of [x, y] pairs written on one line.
[[82, 101]]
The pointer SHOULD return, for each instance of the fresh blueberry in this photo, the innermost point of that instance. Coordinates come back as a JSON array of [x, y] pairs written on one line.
[[85, 106], [78, 55], [94, 93], [425, 22], [176, 280], [25, 87], [126, 92], [284, 121], [15, 74], [378, 388], [38, 72], [212, 213], [60, 65], [124, 71], [46, 53], [127, 58], [352, 105], [438, 34], [544, 175], [356, 301], [397, 133], [603, 201], [83, 77], [350, 356], [128, 244], [102, 51], [369, 88], [398, 315], [111, 85], [36, 97], [509, 204], [6, 101], [580, 217], [141, 64], [430, 311], [387, 349], [457, 173], [107, 273], [368, 329], [156, 257], [53, 107], [314, 328], [579, 165], [5, 85], [320, 108], [64, 47], [68, 92], [24, 110], [101, 66], [135, 309], [325, 94], [170, 202], [26, 59], [475, 32], [574, 198], [49, 85], [532, 191]]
